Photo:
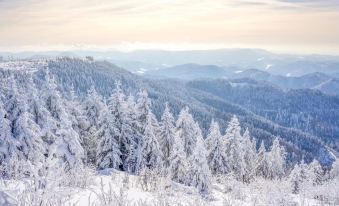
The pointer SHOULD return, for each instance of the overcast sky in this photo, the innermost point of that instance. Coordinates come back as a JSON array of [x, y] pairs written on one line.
[[294, 26]]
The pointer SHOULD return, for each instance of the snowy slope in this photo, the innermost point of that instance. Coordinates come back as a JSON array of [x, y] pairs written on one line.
[[110, 187]]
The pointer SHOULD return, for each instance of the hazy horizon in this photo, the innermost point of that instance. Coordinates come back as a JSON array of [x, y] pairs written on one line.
[[131, 50], [281, 26]]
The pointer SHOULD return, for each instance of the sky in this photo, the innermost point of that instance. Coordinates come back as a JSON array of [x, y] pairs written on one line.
[[290, 26]]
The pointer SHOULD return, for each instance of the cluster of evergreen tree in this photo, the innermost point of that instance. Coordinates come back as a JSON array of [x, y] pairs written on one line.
[[39, 123], [237, 154], [313, 179], [312, 112], [203, 98]]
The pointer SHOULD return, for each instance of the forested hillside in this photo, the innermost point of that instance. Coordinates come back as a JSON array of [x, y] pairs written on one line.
[[206, 105], [260, 111], [307, 110], [70, 115]]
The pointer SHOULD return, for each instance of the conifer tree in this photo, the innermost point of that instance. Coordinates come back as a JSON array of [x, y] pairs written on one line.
[[178, 162], [143, 108], [151, 153], [234, 149], [316, 173], [299, 178], [250, 153], [77, 115], [148, 151], [187, 130], [199, 174], [216, 153], [334, 172], [67, 141], [93, 108], [8, 144], [261, 161], [276, 160], [167, 134], [132, 136], [108, 153]]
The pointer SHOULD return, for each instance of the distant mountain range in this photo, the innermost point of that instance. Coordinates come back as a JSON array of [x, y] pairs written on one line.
[[319, 81], [190, 72], [243, 59]]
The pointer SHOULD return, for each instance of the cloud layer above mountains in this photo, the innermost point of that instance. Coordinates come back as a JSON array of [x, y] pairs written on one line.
[[307, 25]]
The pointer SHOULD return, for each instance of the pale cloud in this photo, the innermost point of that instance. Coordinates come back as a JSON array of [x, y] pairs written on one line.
[[314, 3], [262, 23]]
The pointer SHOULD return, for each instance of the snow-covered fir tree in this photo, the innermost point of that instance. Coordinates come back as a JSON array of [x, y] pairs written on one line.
[[178, 162], [150, 149], [234, 149], [132, 136], [299, 178], [26, 132], [316, 172], [296, 179], [93, 105], [276, 160], [93, 108], [143, 109], [216, 151], [108, 153], [77, 115], [261, 161], [187, 130], [199, 174], [250, 155], [334, 172], [66, 144], [167, 135], [115, 109], [36, 105], [8, 144], [213, 132]]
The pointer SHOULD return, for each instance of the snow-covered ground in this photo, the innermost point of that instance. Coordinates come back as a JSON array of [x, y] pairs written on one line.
[[111, 187]]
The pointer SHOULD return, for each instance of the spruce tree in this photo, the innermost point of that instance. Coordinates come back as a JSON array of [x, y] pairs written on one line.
[[93, 108], [26, 132], [65, 141], [187, 131], [167, 134], [8, 144], [199, 174], [250, 153], [151, 153], [178, 163], [216, 154], [148, 153], [108, 153], [276, 160], [132, 136], [261, 161], [316, 173], [234, 149]]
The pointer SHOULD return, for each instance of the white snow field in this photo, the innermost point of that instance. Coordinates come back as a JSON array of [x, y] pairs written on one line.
[[112, 187]]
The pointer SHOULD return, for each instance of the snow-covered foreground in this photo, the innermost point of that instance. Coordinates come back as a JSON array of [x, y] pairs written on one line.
[[111, 187]]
